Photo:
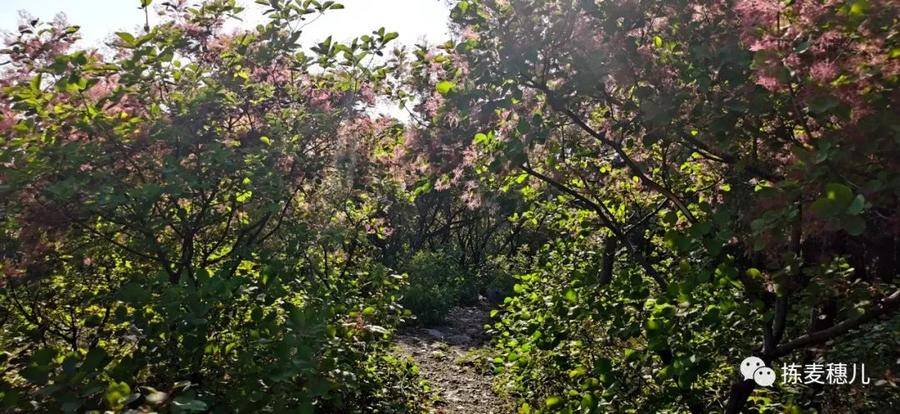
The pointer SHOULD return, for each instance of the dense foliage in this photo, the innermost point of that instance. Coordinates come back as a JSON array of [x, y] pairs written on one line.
[[711, 180], [201, 220], [188, 220]]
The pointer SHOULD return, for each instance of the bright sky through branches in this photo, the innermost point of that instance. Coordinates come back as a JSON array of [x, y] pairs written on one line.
[[415, 20]]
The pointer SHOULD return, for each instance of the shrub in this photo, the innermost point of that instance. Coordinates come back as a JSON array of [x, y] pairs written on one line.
[[180, 231], [436, 284]]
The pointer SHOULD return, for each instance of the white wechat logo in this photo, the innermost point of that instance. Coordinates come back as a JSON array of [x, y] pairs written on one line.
[[754, 368]]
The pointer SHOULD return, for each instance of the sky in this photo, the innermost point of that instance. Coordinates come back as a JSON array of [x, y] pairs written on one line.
[[415, 20]]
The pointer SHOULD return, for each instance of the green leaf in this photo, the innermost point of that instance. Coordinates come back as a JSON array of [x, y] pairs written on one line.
[[670, 218], [126, 37], [577, 372], [858, 8], [95, 359], [653, 325], [603, 366], [243, 197], [857, 206], [133, 293], [189, 404], [390, 36], [571, 296], [700, 229], [116, 393], [266, 140], [854, 225], [444, 87], [35, 83], [823, 103], [39, 366], [521, 178], [835, 200], [318, 386], [838, 193], [552, 401]]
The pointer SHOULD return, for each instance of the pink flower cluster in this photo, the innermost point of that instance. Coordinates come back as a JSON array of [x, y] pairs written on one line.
[[812, 44]]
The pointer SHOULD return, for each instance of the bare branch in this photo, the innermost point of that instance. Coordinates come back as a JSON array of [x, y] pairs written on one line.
[[606, 218], [885, 306]]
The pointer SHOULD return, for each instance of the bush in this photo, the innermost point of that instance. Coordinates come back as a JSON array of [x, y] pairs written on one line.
[[436, 284], [392, 384], [182, 248]]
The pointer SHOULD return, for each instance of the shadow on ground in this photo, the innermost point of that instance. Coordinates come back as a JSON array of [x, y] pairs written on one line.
[[453, 358]]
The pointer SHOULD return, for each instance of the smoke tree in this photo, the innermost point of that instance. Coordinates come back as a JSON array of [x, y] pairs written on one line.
[[195, 218], [715, 180], [187, 219]]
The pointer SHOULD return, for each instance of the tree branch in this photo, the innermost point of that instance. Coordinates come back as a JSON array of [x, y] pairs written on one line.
[[632, 165], [606, 218], [726, 158], [885, 306], [635, 169]]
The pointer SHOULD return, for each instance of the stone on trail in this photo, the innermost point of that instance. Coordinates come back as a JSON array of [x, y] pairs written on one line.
[[459, 339], [435, 333]]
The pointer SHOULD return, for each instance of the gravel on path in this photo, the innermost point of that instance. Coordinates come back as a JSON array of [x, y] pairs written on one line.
[[453, 359]]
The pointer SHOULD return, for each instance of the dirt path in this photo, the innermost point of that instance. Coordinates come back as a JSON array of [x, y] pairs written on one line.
[[453, 359]]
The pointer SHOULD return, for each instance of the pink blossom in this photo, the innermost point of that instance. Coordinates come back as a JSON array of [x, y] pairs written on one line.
[[321, 100], [769, 82], [757, 13], [221, 43], [470, 195], [765, 43], [192, 29], [826, 41], [468, 33], [442, 183], [823, 71], [811, 10], [7, 118], [103, 88], [792, 60], [367, 94], [433, 104]]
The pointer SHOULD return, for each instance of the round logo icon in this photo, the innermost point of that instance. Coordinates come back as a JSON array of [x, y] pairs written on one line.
[[754, 368]]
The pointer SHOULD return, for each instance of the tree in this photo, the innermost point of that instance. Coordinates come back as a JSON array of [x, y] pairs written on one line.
[[186, 219], [720, 179]]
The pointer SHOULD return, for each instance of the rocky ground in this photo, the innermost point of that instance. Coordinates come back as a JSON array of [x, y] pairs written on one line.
[[453, 359]]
